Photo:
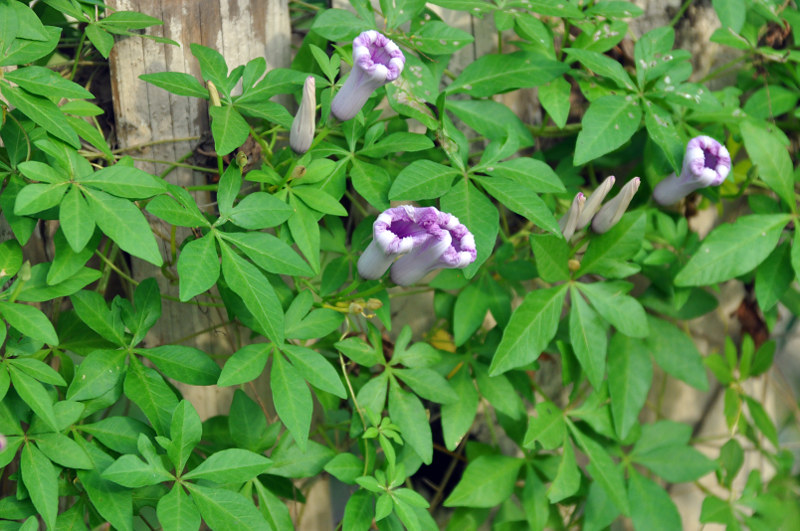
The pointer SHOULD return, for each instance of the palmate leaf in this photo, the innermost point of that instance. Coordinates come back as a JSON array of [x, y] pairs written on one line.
[[177, 512]]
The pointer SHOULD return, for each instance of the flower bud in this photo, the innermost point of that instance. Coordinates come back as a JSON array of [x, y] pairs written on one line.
[[302, 132], [612, 211], [593, 203], [569, 221]]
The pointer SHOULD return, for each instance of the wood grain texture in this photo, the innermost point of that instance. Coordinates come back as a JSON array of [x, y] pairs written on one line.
[[240, 30]]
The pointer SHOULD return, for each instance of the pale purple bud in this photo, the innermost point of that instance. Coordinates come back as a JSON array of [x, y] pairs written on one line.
[[376, 62], [302, 132], [706, 163], [594, 202], [612, 211], [569, 221], [428, 238]]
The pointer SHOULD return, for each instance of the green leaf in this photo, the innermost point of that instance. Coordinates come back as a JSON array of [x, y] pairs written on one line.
[[731, 14], [256, 291], [177, 83], [604, 66], [620, 243], [554, 97], [589, 340], [345, 467], [469, 311], [733, 249], [43, 112], [198, 267], [651, 506], [121, 221], [39, 171], [406, 410], [35, 395], [603, 469], [77, 221], [30, 321], [233, 465], [428, 384], [317, 324], [315, 369], [305, 231], [394, 143], [491, 119], [319, 200], [100, 38], [36, 197], [41, 481], [145, 387], [130, 471], [93, 311], [91, 134], [458, 416], [358, 512], [229, 128], [113, 502], [176, 213], [269, 253], [522, 199], [291, 461], [499, 392], [478, 214], [10, 258], [422, 179], [39, 370], [119, 433], [612, 303], [245, 365], [630, 374], [663, 132], [533, 324], [568, 475], [260, 210], [438, 38], [372, 182], [676, 353], [762, 420], [23, 51], [183, 363], [224, 510], [124, 181], [338, 25], [774, 276], [609, 122], [532, 173], [292, 399], [677, 463], [359, 351], [495, 73], [719, 511], [547, 427], [247, 423], [212, 65], [487, 481], [177, 512]]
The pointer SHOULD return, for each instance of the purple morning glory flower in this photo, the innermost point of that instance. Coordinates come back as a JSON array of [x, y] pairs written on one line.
[[376, 62], [612, 211], [707, 163], [302, 133], [427, 238]]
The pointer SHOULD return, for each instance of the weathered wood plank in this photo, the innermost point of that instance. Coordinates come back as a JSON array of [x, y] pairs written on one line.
[[146, 115]]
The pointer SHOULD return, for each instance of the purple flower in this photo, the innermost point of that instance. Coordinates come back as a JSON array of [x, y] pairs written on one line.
[[376, 62], [612, 211], [592, 204], [569, 221], [707, 163], [302, 133], [428, 239]]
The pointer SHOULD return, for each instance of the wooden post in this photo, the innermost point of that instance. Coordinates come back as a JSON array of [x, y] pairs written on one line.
[[169, 128]]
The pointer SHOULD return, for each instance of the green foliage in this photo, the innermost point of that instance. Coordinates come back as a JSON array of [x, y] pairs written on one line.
[[539, 366]]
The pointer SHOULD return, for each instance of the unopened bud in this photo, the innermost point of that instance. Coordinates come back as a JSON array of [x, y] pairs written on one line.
[[612, 211], [573, 265], [356, 307], [594, 201], [570, 219], [374, 304], [241, 159], [302, 133], [213, 94]]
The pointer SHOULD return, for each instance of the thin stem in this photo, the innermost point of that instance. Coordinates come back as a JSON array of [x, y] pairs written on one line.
[[77, 57], [350, 387]]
